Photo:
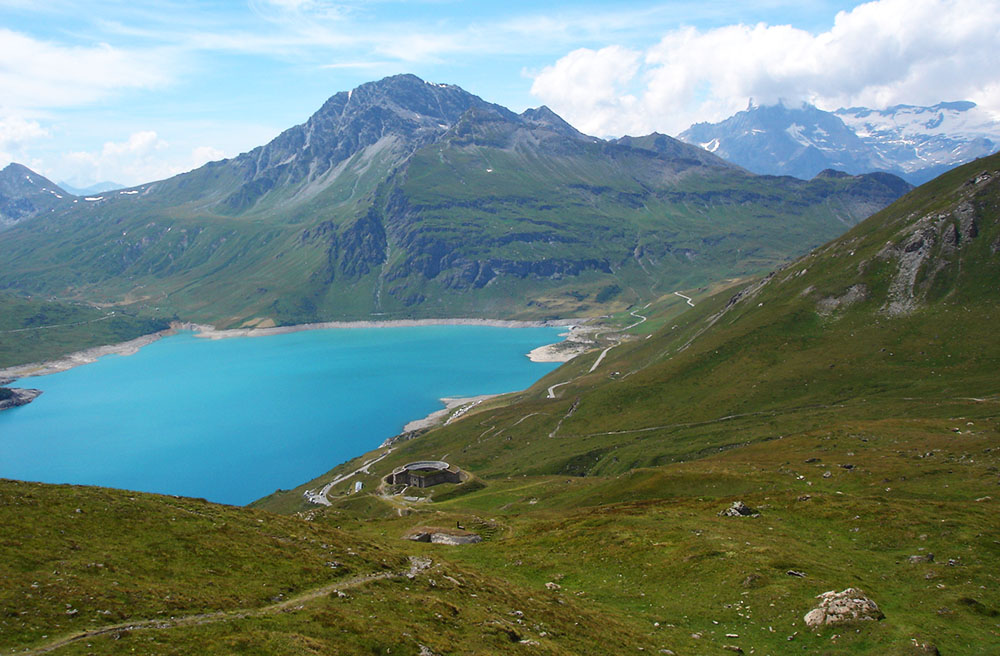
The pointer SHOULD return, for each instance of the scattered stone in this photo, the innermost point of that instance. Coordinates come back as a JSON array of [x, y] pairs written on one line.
[[437, 537], [552, 586], [752, 580], [696, 636], [827, 474], [925, 648], [848, 466], [805, 497], [445, 538], [738, 650], [793, 572], [811, 460], [739, 509], [921, 558], [850, 605]]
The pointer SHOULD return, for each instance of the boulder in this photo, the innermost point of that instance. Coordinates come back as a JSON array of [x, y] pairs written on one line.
[[445, 538], [850, 605], [739, 509]]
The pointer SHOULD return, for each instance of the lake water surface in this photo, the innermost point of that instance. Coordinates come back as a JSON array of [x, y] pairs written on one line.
[[232, 420]]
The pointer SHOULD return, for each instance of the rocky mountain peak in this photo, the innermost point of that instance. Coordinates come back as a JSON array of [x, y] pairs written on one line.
[[24, 193], [403, 108], [543, 116]]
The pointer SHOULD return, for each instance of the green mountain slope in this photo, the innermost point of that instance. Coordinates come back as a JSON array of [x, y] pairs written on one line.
[[861, 423], [33, 330], [408, 199], [851, 397], [87, 570]]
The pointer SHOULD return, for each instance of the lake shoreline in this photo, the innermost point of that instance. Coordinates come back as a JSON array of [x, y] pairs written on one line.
[[132, 346], [182, 379]]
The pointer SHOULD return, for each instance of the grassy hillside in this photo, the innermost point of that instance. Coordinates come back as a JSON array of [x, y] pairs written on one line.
[[88, 570], [850, 397], [33, 330]]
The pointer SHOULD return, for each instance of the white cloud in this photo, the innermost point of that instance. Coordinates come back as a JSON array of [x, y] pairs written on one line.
[[204, 154], [40, 74], [143, 157], [878, 54], [15, 133], [134, 160]]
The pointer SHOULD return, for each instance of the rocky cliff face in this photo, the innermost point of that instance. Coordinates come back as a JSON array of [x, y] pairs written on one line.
[[403, 107]]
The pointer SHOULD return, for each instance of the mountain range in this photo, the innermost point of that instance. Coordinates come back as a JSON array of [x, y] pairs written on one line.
[[916, 143], [707, 480], [403, 198]]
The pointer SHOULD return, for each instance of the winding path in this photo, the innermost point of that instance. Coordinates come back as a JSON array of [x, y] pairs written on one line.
[[58, 325], [319, 498], [600, 358], [417, 565], [686, 298]]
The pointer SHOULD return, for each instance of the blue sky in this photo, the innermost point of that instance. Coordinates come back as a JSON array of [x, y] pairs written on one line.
[[134, 91]]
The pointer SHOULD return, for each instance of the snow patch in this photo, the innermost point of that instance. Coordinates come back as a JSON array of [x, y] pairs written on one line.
[[93, 198], [795, 132], [128, 193], [711, 146]]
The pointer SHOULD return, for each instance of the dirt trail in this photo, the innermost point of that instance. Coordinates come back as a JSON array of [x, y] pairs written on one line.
[[291, 604]]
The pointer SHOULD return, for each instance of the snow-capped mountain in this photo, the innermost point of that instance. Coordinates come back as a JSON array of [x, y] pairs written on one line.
[[926, 140], [916, 143]]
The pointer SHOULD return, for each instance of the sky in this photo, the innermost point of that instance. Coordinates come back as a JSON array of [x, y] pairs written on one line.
[[137, 91]]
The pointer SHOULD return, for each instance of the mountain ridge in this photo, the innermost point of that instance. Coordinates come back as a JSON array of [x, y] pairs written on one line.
[[914, 142], [404, 198]]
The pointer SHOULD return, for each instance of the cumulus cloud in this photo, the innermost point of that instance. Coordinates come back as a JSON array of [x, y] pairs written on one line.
[[878, 54], [39, 74], [15, 133], [143, 157]]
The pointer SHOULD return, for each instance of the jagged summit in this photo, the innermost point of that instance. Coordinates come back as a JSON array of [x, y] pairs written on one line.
[[24, 194], [402, 112], [543, 116], [916, 143]]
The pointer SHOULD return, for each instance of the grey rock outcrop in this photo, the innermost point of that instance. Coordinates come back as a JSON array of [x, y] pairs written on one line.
[[17, 397], [850, 605], [739, 509], [444, 538]]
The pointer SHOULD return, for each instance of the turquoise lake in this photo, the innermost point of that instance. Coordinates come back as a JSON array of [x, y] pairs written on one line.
[[233, 420]]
